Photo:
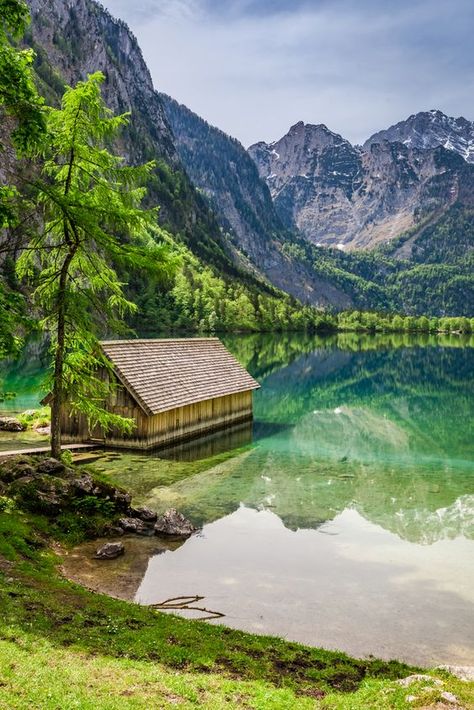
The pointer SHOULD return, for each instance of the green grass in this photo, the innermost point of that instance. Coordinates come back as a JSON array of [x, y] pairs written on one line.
[[62, 646]]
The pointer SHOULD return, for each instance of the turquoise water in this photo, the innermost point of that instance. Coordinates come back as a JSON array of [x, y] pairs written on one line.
[[343, 518]]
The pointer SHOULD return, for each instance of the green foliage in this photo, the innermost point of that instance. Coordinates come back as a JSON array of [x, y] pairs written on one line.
[[35, 417], [93, 219], [6, 504], [205, 301], [91, 505], [12, 317], [20, 103], [18, 95], [359, 321]]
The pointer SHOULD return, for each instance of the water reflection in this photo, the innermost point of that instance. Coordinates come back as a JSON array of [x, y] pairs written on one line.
[[345, 518], [383, 431]]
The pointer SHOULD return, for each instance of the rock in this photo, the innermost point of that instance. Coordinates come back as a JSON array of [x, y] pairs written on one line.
[[83, 484], [146, 514], [50, 466], [11, 424], [174, 523], [12, 471], [29, 413], [135, 525], [449, 697], [416, 678], [462, 672], [110, 551], [114, 530], [122, 500]]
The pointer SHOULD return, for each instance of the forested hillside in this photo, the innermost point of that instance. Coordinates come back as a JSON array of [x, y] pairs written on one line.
[[71, 41]]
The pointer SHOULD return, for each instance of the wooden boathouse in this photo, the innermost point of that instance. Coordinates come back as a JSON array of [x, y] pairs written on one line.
[[174, 389]]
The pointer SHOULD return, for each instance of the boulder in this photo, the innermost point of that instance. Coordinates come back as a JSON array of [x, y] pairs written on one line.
[[135, 525], [121, 499], [50, 466], [146, 514], [11, 424], [83, 484], [174, 523], [110, 551], [449, 698]]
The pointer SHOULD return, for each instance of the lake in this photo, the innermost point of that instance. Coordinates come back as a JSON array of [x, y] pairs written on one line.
[[343, 518]]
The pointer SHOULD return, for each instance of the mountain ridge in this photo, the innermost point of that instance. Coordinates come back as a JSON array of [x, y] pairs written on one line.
[[346, 196], [430, 129]]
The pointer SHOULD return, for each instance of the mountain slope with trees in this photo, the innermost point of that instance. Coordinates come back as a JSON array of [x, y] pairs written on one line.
[[235, 244]]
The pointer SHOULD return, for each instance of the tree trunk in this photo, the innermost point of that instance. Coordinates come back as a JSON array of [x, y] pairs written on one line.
[[58, 383]]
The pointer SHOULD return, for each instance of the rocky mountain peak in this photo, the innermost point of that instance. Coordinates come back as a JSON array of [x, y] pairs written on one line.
[[430, 129], [346, 196]]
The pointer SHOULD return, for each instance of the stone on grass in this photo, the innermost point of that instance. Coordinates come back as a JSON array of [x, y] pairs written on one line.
[[462, 672], [11, 424], [449, 697], [83, 484], [416, 678], [110, 551], [174, 523], [121, 499]]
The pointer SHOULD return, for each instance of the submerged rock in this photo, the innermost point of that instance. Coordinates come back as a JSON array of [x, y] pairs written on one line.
[[11, 424], [174, 523], [110, 551]]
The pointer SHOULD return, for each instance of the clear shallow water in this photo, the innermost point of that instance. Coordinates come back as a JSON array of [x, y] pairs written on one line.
[[344, 519]]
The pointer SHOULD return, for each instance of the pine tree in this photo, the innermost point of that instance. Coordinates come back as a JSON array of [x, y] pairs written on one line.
[[93, 224]]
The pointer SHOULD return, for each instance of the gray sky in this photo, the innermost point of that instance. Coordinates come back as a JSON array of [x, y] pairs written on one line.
[[254, 68]]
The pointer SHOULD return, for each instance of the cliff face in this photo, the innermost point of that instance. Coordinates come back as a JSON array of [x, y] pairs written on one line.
[[351, 197], [79, 38], [221, 167], [73, 38]]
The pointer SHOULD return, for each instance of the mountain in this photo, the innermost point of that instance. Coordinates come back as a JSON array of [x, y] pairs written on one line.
[[218, 286], [221, 168], [430, 129], [345, 196], [244, 222]]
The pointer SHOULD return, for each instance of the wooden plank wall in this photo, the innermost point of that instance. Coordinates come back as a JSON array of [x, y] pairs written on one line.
[[175, 425]]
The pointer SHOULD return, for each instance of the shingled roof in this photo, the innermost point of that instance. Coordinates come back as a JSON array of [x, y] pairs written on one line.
[[165, 374]]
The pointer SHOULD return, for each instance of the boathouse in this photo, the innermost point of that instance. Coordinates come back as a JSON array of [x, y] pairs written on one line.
[[173, 389]]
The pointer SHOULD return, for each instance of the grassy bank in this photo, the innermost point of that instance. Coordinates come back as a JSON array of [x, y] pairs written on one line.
[[62, 646]]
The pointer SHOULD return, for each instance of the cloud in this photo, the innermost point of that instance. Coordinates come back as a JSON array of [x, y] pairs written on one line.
[[255, 67]]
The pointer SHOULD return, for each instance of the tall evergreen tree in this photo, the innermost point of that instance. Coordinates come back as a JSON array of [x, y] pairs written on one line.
[[93, 224]]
